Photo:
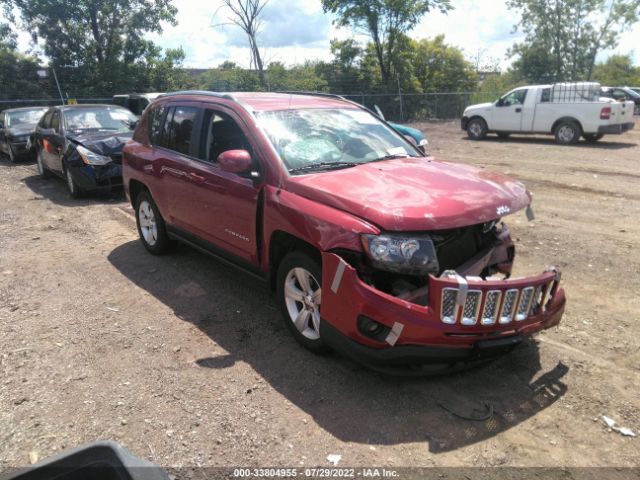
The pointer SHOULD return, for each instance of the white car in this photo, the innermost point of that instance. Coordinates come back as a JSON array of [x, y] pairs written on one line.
[[566, 110]]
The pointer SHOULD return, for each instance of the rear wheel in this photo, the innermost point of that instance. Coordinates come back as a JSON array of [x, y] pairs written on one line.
[[299, 284], [567, 133], [151, 226], [592, 137], [477, 129]]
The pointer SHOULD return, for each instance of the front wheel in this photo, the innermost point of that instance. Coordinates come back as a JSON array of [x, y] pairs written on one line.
[[477, 129], [299, 285], [42, 170], [151, 226], [12, 155], [592, 137], [567, 133], [74, 190]]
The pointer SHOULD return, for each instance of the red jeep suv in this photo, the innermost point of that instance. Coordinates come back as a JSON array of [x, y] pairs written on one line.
[[373, 249]]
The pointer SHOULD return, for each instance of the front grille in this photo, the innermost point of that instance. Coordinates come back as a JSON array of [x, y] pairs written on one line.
[[494, 306]]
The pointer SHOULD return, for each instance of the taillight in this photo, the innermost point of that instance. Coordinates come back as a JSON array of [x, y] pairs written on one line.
[[605, 113]]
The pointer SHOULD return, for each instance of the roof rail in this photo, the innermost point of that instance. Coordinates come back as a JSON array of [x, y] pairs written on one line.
[[227, 96], [315, 94]]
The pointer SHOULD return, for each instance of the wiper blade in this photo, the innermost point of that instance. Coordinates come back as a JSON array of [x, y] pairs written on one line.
[[323, 166], [393, 157]]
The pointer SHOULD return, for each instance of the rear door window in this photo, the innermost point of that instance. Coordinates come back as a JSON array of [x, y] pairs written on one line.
[[181, 129], [55, 121], [46, 120]]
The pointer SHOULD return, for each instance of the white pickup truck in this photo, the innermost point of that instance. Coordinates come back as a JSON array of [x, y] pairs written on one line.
[[566, 110]]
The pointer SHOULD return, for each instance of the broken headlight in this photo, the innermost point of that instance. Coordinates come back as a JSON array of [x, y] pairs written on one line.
[[92, 158], [411, 255]]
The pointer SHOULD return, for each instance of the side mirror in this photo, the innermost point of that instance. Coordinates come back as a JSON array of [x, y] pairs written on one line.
[[235, 161], [499, 103], [411, 140]]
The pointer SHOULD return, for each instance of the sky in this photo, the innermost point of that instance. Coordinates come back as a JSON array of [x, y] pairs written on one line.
[[297, 30]]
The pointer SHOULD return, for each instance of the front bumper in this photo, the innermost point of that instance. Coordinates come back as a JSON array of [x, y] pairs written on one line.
[[97, 177], [616, 129], [418, 334]]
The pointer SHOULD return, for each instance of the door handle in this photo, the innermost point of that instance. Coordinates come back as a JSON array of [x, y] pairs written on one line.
[[518, 110], [197, 178]]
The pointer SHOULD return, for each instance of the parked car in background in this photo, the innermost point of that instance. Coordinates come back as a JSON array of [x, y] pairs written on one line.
[[414, 134], [17, 126], [373, 249], [83, 144], [135, 102], [622, 94], [566, 110]]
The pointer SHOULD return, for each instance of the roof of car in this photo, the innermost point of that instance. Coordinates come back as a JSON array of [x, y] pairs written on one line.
[[89, 105], [267, 101], [21, 109]]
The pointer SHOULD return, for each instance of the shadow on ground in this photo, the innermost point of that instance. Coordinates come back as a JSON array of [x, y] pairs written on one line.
[[603, 144], [349, 402], [55, 189]]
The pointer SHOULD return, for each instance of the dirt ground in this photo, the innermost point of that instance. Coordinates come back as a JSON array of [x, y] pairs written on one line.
[[187, 362]]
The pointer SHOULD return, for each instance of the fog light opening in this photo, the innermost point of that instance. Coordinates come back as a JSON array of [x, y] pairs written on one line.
[[372, 329]]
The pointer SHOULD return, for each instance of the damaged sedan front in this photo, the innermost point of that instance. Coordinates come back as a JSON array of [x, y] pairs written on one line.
[[83, 144]]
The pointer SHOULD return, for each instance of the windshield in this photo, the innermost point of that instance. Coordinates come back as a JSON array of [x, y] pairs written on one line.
[[21, 117], [309, 139], [108, 119]]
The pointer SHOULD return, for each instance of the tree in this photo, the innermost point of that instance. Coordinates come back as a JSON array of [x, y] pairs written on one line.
[[385, 21], [100, 40], [7, 37], [617, 70], [442, 68], [567, 35], [245, 14]]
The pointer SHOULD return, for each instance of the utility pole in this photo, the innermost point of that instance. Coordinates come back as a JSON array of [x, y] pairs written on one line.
[[400, 95], [58, 85]]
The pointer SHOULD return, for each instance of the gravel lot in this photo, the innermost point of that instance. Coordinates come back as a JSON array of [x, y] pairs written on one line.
[[187, 362]]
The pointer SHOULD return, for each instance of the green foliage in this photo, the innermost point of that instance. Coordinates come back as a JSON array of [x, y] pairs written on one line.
[[617, 71], [563, 37], [386, 22], [442, 68], [7, 37], [102, 42]]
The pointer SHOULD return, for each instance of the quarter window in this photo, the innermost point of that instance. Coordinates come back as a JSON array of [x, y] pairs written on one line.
[[156, 117], [55, 122], [46, 120]]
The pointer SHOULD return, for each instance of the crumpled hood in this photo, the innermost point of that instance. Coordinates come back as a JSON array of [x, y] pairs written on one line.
[[21, 129], [415, 194], [103, 144]]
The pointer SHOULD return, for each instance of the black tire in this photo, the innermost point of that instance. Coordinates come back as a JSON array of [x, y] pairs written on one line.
[[162, 243], [503, 135], [12, 155], [567, 133], [43, 171], [74, 189], [592, 137], [477, 129], [300, 260]]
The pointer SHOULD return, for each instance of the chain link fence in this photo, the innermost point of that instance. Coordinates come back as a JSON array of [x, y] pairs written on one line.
[[399, 107]]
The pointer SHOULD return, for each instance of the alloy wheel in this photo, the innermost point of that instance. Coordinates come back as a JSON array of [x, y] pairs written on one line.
[[148, 224], [303, 295]]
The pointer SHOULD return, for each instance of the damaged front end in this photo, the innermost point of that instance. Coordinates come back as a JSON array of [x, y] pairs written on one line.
[[453, 302]]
